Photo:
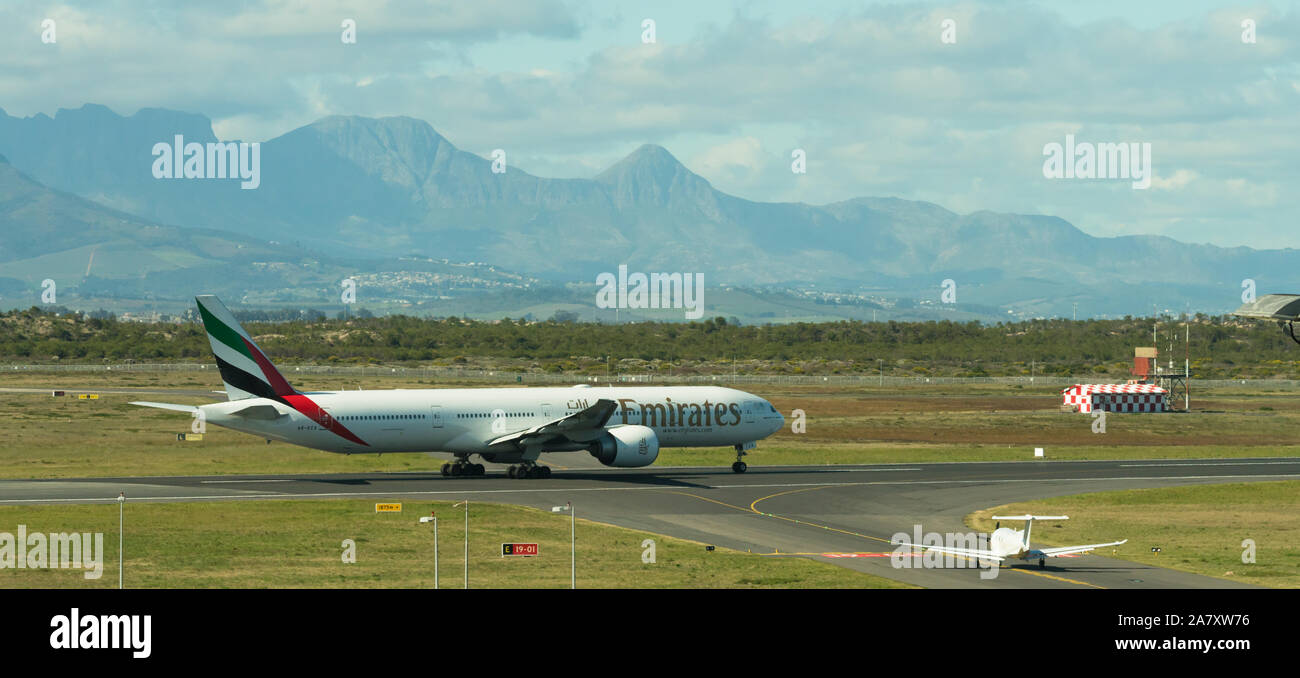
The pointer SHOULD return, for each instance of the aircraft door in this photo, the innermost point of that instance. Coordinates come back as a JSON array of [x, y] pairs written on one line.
[[435, 413]]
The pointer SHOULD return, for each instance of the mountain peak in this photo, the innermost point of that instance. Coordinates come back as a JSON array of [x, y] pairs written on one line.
[[652, 174], [653, 153], [653, 157], [87, 110], [403, 151], [390, 129]]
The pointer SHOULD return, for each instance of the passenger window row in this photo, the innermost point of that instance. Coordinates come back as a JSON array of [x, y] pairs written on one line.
[[379, 417]]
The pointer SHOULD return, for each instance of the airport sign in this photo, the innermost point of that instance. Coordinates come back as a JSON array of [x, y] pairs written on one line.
[[518, 550]]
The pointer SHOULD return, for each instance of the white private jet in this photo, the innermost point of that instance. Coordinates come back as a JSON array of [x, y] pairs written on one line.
[[1006, 543], [619, 426]]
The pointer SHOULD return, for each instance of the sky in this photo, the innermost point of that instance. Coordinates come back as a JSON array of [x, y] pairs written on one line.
[[871, 93]]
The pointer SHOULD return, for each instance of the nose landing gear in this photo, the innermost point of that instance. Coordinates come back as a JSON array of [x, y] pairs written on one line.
[[739, 466]]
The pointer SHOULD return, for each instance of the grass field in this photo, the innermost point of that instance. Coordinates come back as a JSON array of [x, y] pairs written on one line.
[[1199, 528], [60, 437], [275, 544]]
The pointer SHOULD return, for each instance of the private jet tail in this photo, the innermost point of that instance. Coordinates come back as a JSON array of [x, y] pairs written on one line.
[[1029, 525], [245, 369]]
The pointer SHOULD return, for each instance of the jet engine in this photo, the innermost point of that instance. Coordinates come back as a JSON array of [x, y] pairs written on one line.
[[626, 447]]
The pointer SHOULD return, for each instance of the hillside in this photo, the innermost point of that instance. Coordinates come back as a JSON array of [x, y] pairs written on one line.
[[353, 187]]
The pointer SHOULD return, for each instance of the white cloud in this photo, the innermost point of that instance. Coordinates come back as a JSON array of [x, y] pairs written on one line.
[[737, 156], [1180, 180], [880, 105]]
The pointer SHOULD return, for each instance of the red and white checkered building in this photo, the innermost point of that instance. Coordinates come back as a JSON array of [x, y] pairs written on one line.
[[1115, 397]]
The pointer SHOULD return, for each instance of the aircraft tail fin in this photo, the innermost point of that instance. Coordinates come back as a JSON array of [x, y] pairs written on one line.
[[1029, 524], [245, 369]]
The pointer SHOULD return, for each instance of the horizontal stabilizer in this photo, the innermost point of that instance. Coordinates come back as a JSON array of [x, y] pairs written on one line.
[[1272, 307], [168, 406], [263, 412], [1029, 517]]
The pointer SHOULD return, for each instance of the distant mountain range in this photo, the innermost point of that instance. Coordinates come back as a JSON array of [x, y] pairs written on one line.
[[350, 193], [97, 255]]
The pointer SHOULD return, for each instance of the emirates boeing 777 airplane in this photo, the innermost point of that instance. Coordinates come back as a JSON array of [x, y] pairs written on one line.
[[620, 426]]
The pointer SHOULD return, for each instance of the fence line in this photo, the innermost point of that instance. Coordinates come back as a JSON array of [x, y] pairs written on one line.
[[505, 376]]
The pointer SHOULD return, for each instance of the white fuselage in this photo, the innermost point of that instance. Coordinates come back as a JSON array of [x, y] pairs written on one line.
[[464, 421], [1009, 543]]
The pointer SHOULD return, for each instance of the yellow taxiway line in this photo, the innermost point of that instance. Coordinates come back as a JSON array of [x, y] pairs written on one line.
[[753, 508]]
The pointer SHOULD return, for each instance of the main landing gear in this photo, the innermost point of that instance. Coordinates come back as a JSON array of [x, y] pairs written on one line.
[[1042, 563], [739, 466], [462, 467], [528, 470]]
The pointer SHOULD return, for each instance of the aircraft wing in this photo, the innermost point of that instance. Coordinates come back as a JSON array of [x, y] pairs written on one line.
[[1067, 550], [166, 406], [968, 553], [582, 426], [1272, 307]]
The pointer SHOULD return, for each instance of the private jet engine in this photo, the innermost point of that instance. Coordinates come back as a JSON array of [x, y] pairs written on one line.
[[626, 447]]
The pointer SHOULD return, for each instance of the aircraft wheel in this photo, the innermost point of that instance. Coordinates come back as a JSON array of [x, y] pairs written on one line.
[[445, 470], [456, 470], [534, 471], [480, 470], [510, 472], [739, 467], [546, 471], [1042, 563]]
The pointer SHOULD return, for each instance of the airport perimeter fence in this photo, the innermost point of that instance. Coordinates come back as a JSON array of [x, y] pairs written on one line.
[[569, 379]]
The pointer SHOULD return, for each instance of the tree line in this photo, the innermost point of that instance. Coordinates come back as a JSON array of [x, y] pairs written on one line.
[[1220, 347]]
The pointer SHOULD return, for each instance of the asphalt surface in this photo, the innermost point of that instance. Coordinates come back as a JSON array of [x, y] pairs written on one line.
[[844, 515], [202, 393]]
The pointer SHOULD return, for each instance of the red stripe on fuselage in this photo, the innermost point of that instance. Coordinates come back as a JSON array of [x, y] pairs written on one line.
[[298, 401], [314, 412]]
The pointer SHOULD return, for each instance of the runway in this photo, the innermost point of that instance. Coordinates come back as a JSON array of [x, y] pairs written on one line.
[[844, 515]]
